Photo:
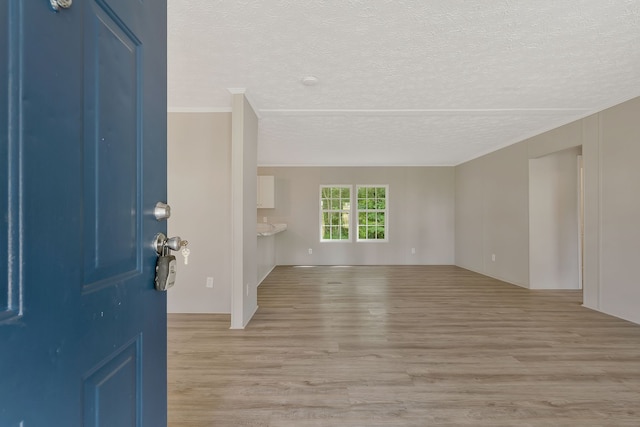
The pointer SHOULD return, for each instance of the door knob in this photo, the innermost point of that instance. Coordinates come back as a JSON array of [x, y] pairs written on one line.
[[175, 243], [162, 244]]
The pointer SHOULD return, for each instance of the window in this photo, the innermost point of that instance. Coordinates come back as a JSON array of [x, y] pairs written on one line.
[[372, 212], [370, 202], [335, 210]]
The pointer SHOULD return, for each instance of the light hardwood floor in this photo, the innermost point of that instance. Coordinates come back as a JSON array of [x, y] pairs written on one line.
[[404, 346]]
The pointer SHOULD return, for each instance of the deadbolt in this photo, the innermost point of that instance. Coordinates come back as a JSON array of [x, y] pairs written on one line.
[[162, 211]]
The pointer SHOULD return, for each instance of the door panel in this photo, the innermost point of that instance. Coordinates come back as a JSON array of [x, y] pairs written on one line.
[[112, 390], [111, 144], [83, 331]]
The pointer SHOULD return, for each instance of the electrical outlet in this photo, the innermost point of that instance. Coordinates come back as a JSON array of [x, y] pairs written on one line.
[[413, 251], [247, 287], [493, 257], [264, 219], [310, 251], [209, 282]]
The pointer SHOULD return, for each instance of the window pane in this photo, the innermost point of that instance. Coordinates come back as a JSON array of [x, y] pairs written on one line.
[[335, 203], [371, 204], [332, 231], [371, 232], [344, 233]]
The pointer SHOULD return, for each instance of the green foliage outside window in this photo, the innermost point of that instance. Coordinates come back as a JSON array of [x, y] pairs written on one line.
[[371, 213], [372, 204], [336, 206]]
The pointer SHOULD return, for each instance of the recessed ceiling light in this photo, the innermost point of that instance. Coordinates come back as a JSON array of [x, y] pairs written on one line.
[[309, 80]]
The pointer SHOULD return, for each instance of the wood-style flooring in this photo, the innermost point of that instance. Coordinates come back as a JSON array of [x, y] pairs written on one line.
[[404, 346]]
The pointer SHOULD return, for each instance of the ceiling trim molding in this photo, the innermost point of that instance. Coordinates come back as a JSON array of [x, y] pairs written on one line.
[[197, 110], [266, 112], [360, 165]]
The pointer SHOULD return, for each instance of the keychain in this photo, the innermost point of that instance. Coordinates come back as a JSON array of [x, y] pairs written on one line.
[[165, 270], [166, 263], [185, 253]]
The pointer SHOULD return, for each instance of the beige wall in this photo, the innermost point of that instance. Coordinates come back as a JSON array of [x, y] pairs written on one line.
[[495, 187], [421, 213], [244, 143], [199, 192], [492, 215], [209, 186], [486, 199], [266, 256], [620, 210]]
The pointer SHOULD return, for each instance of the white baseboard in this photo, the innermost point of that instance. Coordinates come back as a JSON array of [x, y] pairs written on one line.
[[265, 276]]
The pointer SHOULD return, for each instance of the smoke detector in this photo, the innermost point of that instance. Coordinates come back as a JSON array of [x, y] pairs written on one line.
[[309, 80]]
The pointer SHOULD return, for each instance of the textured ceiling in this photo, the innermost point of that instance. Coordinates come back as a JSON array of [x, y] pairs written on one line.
[[433, 82]]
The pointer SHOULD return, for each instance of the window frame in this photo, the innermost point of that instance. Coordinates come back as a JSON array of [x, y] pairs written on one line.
[[385, 211], [322, 211]]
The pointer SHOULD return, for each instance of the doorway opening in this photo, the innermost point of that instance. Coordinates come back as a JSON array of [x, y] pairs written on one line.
[[555, 220]]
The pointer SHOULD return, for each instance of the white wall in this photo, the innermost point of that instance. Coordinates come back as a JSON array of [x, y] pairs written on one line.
[[421, 215], [553, 221], [199, 192]]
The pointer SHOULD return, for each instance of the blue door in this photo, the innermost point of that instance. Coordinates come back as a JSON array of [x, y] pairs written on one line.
[[82, 164]]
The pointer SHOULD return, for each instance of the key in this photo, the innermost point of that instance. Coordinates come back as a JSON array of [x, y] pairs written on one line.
[[185, 253]]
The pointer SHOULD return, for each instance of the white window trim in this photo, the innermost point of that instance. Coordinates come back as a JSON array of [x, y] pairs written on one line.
[[357, 212], [321, 211]]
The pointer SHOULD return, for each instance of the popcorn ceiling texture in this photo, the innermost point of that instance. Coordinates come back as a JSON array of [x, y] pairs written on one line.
[[402, 82]]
